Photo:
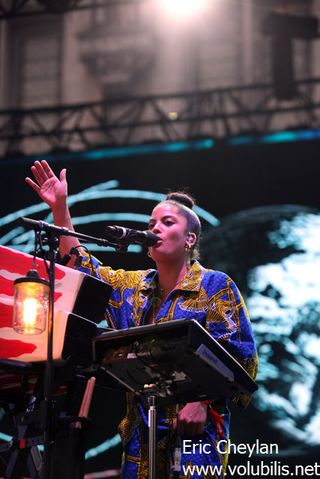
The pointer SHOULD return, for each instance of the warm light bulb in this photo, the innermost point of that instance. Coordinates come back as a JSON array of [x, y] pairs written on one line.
[[31, 304], [29, 314]]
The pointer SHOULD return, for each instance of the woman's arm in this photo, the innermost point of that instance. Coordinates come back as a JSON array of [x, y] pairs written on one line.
[[54, 191]]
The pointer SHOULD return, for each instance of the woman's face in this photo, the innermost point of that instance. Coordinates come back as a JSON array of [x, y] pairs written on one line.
[[171, 228]]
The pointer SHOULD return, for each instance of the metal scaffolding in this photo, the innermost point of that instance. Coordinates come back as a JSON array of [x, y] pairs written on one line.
[[218, 114], [22, 8]]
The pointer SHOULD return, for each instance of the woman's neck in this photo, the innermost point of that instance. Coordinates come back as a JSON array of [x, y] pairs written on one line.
[[171, 274]]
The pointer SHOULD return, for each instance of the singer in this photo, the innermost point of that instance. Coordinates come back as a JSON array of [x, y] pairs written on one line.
[[178, 288]]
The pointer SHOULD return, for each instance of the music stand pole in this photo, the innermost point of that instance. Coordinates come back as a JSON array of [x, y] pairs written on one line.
[[152, 423], [48, 416]]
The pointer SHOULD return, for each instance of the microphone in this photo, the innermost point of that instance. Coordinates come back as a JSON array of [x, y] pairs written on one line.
[[130, 236]]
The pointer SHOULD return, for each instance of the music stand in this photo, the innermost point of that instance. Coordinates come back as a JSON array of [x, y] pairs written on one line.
[[172, 362]]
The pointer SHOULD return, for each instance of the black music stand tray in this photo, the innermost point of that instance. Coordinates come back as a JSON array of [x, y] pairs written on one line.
[[172, 362]]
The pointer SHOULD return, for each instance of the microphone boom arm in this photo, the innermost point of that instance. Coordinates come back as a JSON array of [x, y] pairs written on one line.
[[62, 231]]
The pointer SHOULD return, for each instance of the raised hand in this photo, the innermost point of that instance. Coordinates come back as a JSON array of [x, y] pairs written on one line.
[[51, 189]]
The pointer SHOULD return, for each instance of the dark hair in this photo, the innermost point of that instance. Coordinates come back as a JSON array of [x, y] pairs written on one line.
[[185, 203]]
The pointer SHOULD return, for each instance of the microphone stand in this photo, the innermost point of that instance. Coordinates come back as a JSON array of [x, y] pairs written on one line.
[[47, 416], [47, 413], [61, 231]]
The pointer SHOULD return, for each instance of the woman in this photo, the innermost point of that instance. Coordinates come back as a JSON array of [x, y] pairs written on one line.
[[179, 288]]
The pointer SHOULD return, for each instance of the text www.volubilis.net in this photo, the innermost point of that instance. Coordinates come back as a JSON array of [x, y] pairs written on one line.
[[262, 469]]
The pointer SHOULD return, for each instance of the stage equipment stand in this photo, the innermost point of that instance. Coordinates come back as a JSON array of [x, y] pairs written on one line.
[[49, 235], [170, 363]]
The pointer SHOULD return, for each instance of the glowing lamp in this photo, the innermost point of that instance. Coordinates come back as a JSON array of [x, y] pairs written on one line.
[[31, 304], [184, 8]]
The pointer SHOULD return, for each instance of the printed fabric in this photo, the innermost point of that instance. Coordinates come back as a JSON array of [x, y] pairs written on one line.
[[211, 298]]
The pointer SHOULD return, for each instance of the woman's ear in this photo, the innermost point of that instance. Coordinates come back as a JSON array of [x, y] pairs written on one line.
[[192, 238]]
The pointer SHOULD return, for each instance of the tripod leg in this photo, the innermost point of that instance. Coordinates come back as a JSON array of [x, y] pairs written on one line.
[[34, 462], [22, 460]]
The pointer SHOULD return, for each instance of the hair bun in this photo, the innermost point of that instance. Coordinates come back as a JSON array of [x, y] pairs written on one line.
[[182, 198]]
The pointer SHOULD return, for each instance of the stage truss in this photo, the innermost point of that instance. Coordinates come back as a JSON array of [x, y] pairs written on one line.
[[218, 114], [22, 8]]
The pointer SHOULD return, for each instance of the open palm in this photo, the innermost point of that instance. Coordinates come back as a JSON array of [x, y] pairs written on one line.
[[51, 189]]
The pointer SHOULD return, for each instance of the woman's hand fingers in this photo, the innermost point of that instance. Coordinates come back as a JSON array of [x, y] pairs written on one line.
[[42, 172], [46, 168], [63, 175], [192, 419], [51, 189], [37, 175], [33, 184]]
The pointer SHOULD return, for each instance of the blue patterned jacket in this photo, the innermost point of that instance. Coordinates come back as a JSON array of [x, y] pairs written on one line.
[[211, 298]]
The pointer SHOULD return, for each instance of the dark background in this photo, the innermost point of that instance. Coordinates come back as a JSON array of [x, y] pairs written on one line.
[[224, 180]]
